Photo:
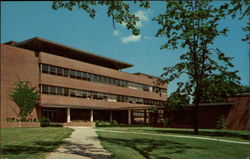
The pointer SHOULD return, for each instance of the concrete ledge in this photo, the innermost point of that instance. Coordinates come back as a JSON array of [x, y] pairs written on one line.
[[84, 124]]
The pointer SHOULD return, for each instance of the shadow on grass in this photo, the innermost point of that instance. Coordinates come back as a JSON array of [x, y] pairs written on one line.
[[214, 133], [150, 148], [36, 147], [46, 146]]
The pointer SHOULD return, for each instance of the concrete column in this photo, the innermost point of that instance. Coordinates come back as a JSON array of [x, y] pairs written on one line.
[[68, 115], [110, 115], [91, 115], [129, 116]]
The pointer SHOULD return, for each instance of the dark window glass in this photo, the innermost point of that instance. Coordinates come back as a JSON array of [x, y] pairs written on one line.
[[72, 74], [72, 92], [89, 95], [105, 80], [100, 79], [45, 68], [94, 78], [65, 72], [115, 82], [45, 89], [66, 92], [59, 91], [85, 76], [59, 71], [78, 93], [91, 77], [84, 94], [52, 70], [52, 90], [94, 95], [79, 75]]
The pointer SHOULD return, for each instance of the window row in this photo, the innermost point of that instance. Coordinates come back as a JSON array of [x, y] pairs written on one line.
[[55, 70], [62, 91]]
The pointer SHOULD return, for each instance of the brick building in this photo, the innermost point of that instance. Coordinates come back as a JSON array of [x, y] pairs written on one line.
[[75, 84]]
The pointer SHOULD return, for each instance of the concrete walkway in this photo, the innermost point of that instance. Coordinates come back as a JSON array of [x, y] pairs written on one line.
[[179, 136], [82, 144]]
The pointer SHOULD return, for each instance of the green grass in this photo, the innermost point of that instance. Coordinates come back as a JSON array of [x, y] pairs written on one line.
[[134, 146], [30, 143], [235, 135]]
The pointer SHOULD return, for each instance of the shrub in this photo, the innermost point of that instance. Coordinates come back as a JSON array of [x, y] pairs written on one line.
[[165, 122], [114, 123], [45, 122], [221, 123], [10, 119]]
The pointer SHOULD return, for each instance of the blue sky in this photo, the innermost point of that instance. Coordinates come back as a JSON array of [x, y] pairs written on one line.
[[24, 20]]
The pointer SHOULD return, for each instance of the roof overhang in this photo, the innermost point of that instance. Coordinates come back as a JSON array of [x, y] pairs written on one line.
[[39, 44]]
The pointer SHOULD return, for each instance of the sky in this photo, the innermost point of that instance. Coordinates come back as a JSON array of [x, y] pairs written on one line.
[[24, 20]]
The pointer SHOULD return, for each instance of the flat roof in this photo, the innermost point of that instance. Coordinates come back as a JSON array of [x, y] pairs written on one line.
[[40, 44]]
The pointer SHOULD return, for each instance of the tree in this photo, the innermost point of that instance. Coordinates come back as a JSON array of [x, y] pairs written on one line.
[[193, 25], [25, 97]]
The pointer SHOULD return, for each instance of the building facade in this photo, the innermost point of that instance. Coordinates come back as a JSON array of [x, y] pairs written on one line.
[[76, 85]]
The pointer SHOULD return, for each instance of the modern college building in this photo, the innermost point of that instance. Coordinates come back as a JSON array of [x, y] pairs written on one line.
[[76, 85]]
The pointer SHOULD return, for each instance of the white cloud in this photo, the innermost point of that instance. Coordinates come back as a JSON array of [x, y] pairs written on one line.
[[147, 38], [143, 15], [116, 32], [131, 38]]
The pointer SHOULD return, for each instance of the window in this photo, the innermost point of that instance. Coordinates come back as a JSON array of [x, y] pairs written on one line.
[[65, 72], [52, 70], [72, 74], [72, 92], [59, 71], [105, 80], [45, 89], [45, 68], [91, 77], [59, 91], [94, 78], [85, 76], [79, 75], [94, 94], [89, 95], [100, 79], [53, 90], [78, 93], [84, 94], [66, 92]]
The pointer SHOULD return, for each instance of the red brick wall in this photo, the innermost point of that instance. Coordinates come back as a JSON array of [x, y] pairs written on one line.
[[16, 64], [208, 116], [239, 116]]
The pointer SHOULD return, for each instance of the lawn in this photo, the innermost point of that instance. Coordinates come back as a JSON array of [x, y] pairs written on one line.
[[30, 143], [137, 146]]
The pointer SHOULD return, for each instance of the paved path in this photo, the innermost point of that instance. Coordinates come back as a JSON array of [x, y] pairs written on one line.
[[179, 136], [82, 144]]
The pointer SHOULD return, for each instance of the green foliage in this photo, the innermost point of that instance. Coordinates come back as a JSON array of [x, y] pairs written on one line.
[[165, 122], [99, 123], [221, 123], [25, 97], [241, 7], [45, 122], [119, 11]]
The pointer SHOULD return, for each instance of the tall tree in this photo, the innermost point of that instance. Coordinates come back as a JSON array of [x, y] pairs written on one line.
[[25, 97], [193, 25]]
